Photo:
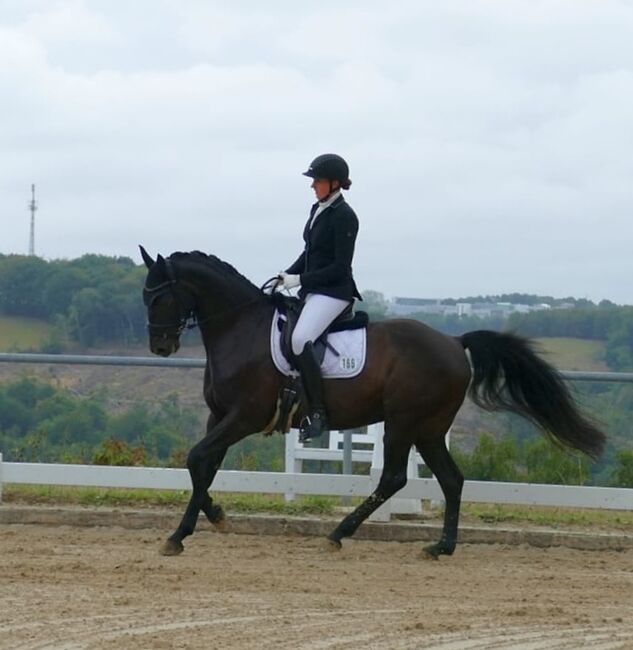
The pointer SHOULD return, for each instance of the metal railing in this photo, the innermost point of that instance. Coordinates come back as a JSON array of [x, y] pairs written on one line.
[[188, 362]]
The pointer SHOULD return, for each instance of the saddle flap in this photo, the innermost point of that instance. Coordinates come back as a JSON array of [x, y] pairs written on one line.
[[344, 356]]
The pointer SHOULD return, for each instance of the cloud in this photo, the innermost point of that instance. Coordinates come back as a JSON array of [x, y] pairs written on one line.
[[489, 141]]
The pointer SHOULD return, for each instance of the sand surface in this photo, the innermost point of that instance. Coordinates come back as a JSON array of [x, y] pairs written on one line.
[[106, 588]]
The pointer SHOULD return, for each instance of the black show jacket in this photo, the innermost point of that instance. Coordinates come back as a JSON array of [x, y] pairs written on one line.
[[325, 266]]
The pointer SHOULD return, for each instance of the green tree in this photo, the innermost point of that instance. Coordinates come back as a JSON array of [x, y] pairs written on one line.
[[619, 354], [491, 460], [15, 417], [21, 281], [264, 453], [29, 392], [119, 453], [547, 463], [60, 285], [374, 303], [622, 474]]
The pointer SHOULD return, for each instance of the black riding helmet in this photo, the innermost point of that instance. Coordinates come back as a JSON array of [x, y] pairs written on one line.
[[329, 166]]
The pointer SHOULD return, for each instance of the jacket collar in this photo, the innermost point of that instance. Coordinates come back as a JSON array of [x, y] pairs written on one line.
[[331, 199], [333, 202]]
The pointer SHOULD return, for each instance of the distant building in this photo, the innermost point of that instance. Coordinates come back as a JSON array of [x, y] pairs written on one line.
[[403, 306]]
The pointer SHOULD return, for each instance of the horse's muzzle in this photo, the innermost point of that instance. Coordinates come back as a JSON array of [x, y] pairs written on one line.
[[164, 348]]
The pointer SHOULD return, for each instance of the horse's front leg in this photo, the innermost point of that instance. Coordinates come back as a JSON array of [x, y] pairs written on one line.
[[203, 463]]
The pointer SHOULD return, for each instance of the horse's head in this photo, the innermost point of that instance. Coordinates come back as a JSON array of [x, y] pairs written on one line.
[[169, 305]]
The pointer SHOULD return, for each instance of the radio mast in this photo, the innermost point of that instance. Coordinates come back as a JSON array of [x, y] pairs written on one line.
[[32, 208]]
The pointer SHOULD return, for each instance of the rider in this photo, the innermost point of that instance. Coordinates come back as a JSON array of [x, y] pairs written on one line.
[[324, 272]]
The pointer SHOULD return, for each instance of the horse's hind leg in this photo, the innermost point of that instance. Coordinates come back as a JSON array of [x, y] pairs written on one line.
[[392, 479], [451, 480]]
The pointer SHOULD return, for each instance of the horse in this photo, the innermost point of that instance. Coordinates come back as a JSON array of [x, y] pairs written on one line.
[[414, 380]]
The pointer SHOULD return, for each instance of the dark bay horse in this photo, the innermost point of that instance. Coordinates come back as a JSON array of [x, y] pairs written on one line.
[[415, 380]]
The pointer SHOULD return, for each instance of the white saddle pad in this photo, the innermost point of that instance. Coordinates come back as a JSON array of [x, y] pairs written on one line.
[[351, 346]]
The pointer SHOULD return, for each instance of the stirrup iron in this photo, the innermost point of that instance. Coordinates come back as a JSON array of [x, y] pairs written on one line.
[[313, 426]]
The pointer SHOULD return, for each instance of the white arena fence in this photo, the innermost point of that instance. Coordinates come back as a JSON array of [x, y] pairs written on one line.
[[321, 484], [293, 481]]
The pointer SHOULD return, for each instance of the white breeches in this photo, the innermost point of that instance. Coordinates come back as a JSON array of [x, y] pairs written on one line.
[[317, 314]]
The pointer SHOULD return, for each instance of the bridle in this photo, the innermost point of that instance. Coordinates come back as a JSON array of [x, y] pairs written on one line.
[[188, 318]]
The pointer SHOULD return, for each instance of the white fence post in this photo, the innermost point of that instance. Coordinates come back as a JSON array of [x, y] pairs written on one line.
[[296, 453], [0, 477], [384, 512], [293, 464], [395, 505]]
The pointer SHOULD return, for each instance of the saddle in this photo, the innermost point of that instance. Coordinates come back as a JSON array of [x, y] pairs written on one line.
[[289, 308]]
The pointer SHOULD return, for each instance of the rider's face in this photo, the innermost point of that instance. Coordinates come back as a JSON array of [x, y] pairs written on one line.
[[321, 187]]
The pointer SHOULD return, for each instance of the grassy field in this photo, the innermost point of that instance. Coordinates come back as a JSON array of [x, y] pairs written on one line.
[[574, 354], [23, 334], [495, 514]]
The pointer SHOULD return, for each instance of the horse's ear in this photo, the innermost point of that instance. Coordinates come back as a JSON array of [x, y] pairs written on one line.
[[160, 261], [149, 262]]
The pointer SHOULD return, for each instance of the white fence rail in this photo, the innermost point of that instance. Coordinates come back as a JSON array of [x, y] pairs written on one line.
[[323, 484]]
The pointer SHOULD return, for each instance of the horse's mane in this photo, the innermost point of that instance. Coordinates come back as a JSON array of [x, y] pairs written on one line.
[[218, 266]]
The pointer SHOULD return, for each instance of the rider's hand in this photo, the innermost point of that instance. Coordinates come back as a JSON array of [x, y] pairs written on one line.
[[289, 281]]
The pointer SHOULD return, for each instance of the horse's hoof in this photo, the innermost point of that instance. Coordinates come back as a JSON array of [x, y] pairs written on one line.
[[171, 547], [429, 554], [222, 525], [433, 551], [332, 545], [216, 516]]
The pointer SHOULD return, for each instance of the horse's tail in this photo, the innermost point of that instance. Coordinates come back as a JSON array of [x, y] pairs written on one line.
[[508, 375]]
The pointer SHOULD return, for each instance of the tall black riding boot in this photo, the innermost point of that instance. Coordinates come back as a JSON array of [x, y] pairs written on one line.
[[315, 423]]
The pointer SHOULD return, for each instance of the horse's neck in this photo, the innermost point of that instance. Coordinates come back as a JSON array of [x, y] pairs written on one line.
[[236, 337], [225, 306], [214, 294]]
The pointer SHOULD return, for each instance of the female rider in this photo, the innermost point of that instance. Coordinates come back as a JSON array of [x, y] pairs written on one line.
[[324, 273]]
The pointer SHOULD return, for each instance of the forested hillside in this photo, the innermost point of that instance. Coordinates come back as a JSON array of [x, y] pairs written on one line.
[[606, 322], [91, 300], [96, 300]]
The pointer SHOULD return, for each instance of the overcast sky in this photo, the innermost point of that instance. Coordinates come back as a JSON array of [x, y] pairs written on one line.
[[490, 142]]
